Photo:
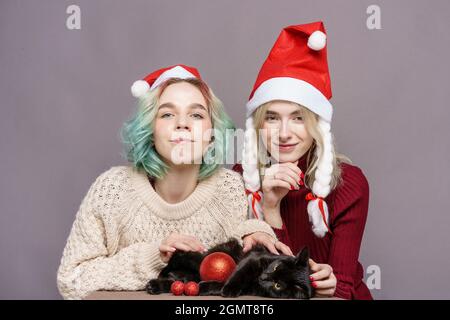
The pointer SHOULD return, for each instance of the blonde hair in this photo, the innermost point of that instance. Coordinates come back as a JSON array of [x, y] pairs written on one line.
[[315, 152]]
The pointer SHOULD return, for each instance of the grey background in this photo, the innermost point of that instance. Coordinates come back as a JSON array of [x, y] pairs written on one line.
[[65, 94]]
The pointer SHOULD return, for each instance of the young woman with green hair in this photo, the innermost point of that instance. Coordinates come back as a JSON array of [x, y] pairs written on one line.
[[175, 195]]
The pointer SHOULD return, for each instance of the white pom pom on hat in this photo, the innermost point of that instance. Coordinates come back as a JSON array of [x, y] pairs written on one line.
[[317, 40], [139, 88]]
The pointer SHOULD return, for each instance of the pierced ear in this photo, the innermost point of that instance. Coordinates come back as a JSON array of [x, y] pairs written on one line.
[[302, 257]]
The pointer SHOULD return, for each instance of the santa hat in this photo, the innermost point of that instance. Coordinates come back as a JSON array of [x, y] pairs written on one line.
[[156, 78], [296, 70]]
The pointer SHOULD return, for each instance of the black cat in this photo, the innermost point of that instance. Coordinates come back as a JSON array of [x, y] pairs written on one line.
[[258, 272]]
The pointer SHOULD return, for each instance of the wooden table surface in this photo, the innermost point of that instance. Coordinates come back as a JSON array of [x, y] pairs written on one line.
[[142, 295]]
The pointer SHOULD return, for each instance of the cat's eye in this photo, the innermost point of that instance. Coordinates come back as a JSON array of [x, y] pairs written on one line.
[[277, 286], [275, 267]]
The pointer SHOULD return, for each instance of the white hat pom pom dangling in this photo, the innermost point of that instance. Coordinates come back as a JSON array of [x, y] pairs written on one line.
[[317, 40], [139, 88]]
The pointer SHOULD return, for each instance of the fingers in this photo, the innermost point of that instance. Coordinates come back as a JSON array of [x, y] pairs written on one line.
[[270, 246], [182, 246], [323, 273], [262, 238], [273, 245], [293, 167], [323, 280], [286, 167], [313, 265], [193, 242], [165, 248], [272, 183], [293, 181], [283, 248], [248, 243], [324, 293], [286, 172], [184, 242], [329, 283], [326, 288], [165, 256]]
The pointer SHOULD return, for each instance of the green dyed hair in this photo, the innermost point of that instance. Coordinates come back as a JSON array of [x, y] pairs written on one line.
[[137, 133]]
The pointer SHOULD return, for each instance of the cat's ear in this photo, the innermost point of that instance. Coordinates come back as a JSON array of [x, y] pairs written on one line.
[[302, 257]]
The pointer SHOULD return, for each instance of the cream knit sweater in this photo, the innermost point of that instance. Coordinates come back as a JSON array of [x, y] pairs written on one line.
[[113, 244]]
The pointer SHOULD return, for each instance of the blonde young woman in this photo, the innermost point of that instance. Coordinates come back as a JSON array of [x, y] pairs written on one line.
[[174, 195], [294, 179]]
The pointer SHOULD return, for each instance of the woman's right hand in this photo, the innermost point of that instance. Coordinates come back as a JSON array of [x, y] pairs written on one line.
[[176, 241], [278, 180]]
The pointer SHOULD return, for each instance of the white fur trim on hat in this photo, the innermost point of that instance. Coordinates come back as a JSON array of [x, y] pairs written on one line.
[[317, 40], [291, 89], [139, 88], [175, 72]]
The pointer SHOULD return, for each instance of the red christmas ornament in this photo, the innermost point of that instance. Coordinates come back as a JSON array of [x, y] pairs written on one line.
[[191, 288], [217, 266], [177, 288]]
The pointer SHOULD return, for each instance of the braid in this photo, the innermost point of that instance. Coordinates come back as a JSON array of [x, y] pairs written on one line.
[[317, 207], [251, 172]]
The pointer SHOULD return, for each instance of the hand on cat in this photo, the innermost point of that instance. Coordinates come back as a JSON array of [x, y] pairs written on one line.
[[268, 241], [323, 279], [278, 179], [177, 241]]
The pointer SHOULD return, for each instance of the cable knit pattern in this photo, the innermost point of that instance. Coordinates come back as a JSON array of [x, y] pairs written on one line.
[[114, 241]]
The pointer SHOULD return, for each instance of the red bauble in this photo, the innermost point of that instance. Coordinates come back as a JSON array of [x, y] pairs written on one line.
[[177, 288], [217, 266], [191, 288]]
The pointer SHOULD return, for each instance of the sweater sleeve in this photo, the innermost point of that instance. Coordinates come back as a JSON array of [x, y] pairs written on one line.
[[86, 265], [351, 204]]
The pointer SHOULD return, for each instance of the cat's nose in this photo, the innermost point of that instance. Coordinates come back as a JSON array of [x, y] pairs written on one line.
[[263, 277]]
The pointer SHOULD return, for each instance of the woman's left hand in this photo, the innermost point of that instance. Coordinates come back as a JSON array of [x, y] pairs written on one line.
[[272, 244], [322, 279]]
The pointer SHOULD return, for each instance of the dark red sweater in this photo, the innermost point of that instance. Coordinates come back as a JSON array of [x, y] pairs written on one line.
[[348, 206]]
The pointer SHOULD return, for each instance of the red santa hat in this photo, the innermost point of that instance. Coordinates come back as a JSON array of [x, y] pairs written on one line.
[[296, 70], [156, 78]]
